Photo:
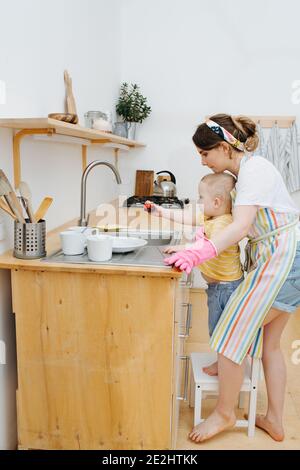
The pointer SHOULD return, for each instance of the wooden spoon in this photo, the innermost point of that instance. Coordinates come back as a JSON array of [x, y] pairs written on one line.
[[26, 194], [44, 206], [6, 208], [10, 197]]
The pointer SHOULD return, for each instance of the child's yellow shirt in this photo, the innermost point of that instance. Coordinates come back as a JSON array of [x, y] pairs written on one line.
[[227, 266]]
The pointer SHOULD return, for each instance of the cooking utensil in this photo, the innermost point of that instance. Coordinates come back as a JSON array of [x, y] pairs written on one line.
[[6, 208], [11, 197], [44, 206], [30, 240], [25, 206], [4, 193], [164, 187], [65, 117], [26, 194], [71, 115], [110, 228], [144, 183], [24, 203]]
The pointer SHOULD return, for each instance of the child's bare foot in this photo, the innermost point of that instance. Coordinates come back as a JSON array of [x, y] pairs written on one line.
[[213, 425], [212, 369], [273, 429]]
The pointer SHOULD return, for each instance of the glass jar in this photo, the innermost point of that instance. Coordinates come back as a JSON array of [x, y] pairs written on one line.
[[109, 119], [92, 116], [121, 129]]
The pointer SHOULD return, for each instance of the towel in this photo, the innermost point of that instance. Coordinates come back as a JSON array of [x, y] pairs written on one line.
[[283, 153]]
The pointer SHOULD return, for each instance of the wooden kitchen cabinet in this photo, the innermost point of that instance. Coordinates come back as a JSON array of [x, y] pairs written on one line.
[[98, 357], [181, 361], [198, 339]]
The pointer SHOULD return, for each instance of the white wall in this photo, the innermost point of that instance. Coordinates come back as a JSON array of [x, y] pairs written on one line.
[[36, 45], [38, 40], [190, 58], [196, 58]]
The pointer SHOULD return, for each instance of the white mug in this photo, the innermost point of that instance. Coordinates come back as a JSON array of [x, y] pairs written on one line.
[[99, 247], [86, 231], [72, 243]]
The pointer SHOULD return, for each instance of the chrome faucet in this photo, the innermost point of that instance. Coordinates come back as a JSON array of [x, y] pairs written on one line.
[[83, 221]]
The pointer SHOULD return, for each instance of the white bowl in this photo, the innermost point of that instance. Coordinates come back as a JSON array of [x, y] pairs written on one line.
[[126, 244]]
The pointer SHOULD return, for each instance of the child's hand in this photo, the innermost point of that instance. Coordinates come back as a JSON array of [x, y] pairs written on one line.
[[155, 209], [180, 261], [199, 234], [174, 249], [198, 253]]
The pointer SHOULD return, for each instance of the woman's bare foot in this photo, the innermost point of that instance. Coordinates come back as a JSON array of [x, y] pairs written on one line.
[[211, 370], [273, 429], [213, 425]]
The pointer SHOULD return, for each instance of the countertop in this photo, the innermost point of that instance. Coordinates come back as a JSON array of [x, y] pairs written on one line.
[[106, 214]]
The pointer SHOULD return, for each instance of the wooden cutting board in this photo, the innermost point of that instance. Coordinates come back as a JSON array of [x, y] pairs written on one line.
[[144, 183]]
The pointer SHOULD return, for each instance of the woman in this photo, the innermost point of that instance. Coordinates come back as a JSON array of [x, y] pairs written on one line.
[[257, 312]]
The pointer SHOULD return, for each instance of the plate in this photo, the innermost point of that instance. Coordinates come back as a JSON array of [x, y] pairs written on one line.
[[126, 244]]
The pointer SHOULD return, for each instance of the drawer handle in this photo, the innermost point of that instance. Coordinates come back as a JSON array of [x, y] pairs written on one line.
[[188, 282], [188, 320], [186, 377]]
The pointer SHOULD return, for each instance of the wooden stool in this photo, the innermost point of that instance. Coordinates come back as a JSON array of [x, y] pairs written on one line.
[[201, 382]]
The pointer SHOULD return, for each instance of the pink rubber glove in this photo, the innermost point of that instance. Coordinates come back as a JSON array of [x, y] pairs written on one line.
[[196, 254]]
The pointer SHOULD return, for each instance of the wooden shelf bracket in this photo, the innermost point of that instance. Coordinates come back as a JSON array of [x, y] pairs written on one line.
[[16, 149]]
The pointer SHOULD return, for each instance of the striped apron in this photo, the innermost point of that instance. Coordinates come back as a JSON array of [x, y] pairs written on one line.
[[239, 331]]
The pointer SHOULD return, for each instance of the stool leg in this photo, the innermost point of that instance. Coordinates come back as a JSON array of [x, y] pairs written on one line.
[[192, 391], [198, 404], [253, 397], [252, 412], [242, 400]]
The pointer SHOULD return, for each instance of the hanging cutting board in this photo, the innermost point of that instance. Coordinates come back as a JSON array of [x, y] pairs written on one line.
[[71, 105], [144, 181]]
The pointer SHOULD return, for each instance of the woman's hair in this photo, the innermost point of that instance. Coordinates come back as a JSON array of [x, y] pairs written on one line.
[[241, 127]]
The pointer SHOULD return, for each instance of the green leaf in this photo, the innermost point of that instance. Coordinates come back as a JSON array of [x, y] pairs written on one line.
[[132, 105]]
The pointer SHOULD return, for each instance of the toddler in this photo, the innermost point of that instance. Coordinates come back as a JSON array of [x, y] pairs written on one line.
[[223, 273]]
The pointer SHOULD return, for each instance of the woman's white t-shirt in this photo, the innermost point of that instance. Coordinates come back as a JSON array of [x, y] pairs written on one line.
[[260, 184]]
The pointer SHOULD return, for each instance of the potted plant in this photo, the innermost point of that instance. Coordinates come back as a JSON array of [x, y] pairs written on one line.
[[132, 107]]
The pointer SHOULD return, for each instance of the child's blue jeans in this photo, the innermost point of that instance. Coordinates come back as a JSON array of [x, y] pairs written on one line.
[[218, 294]]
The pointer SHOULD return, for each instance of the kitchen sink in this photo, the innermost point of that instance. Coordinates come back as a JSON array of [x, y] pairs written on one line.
[[153, 237], [150, 255]]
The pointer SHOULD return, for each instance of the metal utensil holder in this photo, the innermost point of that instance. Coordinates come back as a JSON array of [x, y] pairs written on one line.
[[30, 240]]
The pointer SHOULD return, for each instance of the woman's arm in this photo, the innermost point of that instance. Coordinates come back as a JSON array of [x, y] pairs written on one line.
[[243, 218]]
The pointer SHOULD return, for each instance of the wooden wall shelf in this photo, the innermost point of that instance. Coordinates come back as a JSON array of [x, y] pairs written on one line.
[[47, 126]]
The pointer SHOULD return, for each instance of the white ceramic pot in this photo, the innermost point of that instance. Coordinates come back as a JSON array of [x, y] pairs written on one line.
[[72, 243], [99, 247]]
